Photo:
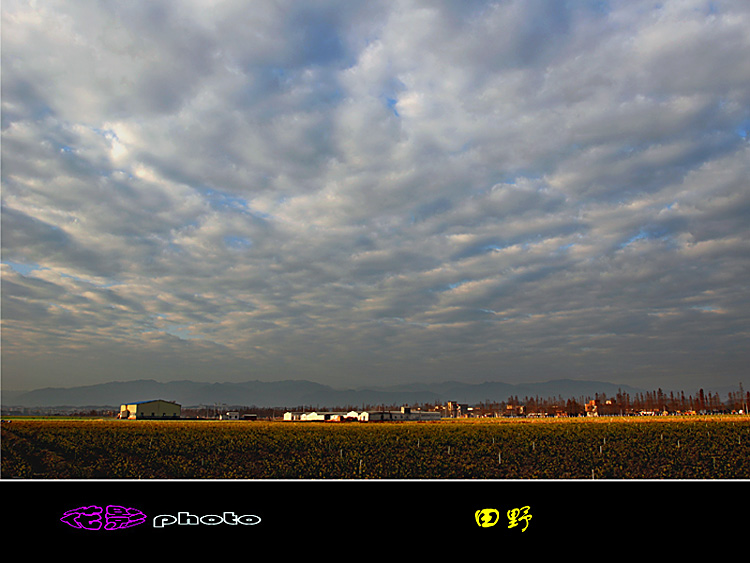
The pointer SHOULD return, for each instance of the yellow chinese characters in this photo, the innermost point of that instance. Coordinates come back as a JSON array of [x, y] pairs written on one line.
[[487, 517], [516, 514]]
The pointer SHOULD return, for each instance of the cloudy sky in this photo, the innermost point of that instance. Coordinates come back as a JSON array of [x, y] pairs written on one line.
[[368, 193]]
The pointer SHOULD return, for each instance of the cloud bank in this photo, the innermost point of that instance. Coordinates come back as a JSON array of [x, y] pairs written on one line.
[[373, 192]]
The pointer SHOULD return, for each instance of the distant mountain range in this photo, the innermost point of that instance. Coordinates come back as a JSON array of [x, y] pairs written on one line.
[[296, 393]]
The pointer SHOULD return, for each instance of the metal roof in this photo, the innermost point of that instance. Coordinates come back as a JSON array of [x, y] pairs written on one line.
[[151, 401]]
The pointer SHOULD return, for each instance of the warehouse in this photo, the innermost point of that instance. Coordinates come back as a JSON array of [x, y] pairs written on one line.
[[404, 414], [157, 409], [321, 416]]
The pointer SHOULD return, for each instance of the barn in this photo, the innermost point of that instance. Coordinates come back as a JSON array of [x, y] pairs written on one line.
[[157, 409], [405, 414]]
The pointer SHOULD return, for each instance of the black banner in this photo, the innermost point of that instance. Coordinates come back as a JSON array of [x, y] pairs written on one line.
[[300, 517]]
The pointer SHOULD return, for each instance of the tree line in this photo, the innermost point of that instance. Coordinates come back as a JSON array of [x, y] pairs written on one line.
[[621, 403], [624, 403]]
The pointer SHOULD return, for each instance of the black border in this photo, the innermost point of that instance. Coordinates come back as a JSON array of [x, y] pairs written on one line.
[[299, 518]]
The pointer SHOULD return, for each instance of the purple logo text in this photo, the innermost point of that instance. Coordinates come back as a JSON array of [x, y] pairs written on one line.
[[97, 518]]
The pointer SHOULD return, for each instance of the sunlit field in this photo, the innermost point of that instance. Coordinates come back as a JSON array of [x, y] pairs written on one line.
[[605, 448]]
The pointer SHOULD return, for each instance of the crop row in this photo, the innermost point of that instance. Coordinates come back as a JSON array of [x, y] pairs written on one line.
[[616, 449]]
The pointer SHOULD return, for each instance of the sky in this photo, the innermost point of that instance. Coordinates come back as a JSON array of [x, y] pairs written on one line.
[[365, 193]]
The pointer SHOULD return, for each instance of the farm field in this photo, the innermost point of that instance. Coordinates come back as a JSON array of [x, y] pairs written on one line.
[[605, 448]]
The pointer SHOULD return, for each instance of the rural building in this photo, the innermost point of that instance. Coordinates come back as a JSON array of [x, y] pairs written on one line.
[[592, 407], [458, 410], [367, 416], [150, 410], [231, 415], [404, 414], [321, 416]]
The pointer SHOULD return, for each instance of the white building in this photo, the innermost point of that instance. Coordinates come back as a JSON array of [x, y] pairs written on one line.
[[325, 416], [405, 414]]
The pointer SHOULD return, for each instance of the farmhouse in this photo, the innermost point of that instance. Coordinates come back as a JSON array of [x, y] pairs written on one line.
[[156, 409], [404, 414], [318, 416], [367, 416], [592, 407]]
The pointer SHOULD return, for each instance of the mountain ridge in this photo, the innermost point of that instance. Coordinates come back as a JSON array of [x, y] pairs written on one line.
[[294, 393]]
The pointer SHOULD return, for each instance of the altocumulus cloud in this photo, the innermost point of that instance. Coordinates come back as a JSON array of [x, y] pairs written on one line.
[[372, 192]]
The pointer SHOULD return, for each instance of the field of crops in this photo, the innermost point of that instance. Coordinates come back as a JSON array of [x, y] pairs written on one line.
[[606, 448]]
